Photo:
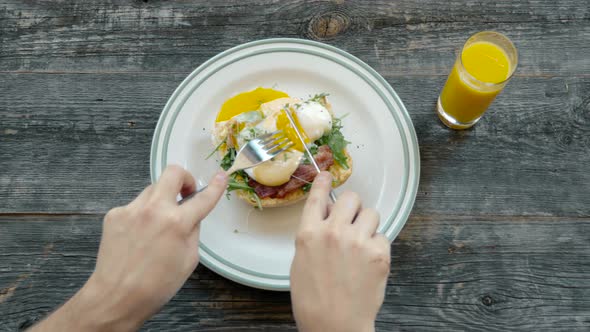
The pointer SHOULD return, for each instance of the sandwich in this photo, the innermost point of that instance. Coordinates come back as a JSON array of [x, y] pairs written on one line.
[[285, 179]]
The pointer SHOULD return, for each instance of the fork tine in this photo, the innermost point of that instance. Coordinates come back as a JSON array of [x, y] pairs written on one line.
[[275, 143], [261, 149], [270, 140], [279, 141], [266, 137], [284, 148]]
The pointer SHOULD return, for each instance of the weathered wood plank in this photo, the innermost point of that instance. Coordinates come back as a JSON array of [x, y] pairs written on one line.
[[80, 143], [499, 237], [396, 37], [468, 273]]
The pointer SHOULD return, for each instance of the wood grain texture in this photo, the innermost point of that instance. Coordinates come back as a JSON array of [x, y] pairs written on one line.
[[466, 273], [80, 143], [499, 238], [396, 37]]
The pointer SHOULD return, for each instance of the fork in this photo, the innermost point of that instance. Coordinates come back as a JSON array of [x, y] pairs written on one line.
[[259, 150], [253, 153]]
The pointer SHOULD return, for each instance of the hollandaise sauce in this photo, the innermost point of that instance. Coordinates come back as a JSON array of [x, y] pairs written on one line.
[[247, 101]]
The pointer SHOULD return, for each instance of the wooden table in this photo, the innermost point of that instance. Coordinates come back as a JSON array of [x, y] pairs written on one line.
[[499, 238]]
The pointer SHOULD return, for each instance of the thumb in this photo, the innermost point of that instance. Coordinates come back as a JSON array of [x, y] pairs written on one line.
[[198, 207]]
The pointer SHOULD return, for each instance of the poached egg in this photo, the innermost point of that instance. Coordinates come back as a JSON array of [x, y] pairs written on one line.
[[261, 111]]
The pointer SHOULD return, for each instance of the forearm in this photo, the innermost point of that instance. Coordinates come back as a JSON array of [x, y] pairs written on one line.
[[92, 308]]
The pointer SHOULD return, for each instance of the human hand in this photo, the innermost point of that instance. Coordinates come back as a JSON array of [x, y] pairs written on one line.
[[149, 248], [340, 269]]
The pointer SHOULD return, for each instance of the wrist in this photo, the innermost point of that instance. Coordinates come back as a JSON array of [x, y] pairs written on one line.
[[90, 309], [102, 307]]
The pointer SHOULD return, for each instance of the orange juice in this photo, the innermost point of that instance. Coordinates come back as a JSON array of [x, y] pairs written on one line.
[[479, 74]]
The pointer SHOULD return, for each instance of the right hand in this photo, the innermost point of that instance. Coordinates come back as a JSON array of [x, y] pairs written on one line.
[[341, 265]]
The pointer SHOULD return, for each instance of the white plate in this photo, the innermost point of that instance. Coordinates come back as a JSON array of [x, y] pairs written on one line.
[[253, 247]]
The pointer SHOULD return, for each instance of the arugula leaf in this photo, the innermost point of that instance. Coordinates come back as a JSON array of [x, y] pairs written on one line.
[[306, 187], [228, 159], [313, 148], [343, 116], [215, 150], [335, 140], [249, 134], [253, 193], [318, 97], [253, 132], [337, 123], [239, 181], [241, 174], [234, 184]]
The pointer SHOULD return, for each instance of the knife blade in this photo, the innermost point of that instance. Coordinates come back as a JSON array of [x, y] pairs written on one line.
[[309, 155]]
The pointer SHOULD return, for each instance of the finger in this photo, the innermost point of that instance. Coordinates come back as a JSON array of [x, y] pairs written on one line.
[[199, 206], [316, 206], [330, 208], [382, 244], [174, 180], [346, 208], [367, 222], [382, 253]]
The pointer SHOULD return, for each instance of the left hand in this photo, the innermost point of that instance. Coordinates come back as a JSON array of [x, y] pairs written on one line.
[[150, 247], [148, 250]]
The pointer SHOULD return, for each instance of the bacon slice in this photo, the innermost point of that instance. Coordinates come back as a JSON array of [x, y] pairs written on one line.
[[302, 175]]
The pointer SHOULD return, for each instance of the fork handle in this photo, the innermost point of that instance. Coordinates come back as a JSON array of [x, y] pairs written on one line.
[[332, 196], [191, 195], [232, 170]]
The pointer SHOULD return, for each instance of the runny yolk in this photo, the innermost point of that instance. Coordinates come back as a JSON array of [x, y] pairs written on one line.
[[247, 101], [284, 124]]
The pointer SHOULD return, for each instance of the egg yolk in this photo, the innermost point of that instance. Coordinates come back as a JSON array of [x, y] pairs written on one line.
[[247, 101], [284, 124]]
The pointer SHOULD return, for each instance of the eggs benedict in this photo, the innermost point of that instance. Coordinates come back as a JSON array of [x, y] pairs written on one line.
[[287, 177]]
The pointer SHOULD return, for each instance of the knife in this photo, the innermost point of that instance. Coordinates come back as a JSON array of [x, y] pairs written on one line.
[[309, 155]]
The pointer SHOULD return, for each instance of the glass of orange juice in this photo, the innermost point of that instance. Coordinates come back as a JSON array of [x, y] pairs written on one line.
[[482, 69]]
